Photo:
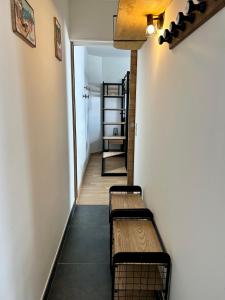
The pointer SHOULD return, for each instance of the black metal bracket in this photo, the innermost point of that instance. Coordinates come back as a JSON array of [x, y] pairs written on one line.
[[126, 188], [141, 257]]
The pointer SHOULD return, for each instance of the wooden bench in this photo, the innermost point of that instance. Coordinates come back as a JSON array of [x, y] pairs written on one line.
[[140, 265], [139, 262], [125, 198]]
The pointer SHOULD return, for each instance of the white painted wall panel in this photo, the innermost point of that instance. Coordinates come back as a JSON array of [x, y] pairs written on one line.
[[82, 105], [180, 153], [35, 198]]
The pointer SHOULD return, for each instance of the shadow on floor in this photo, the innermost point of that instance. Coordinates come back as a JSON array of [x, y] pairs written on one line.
[[83, 272]]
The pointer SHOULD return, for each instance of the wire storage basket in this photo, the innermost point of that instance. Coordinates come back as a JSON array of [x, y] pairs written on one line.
[[140, 281]]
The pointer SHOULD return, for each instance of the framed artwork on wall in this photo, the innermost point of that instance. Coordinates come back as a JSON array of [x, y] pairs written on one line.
[[23, 22], [58, 39]]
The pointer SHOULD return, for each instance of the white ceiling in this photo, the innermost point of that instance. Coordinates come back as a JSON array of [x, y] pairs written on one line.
[[107, 51]]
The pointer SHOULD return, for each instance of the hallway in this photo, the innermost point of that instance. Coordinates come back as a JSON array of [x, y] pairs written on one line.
[[134, 82], [83, 271]]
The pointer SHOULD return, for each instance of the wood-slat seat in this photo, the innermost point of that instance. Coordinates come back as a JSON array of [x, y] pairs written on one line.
[[135, 236], [125, 198], [126, 201]]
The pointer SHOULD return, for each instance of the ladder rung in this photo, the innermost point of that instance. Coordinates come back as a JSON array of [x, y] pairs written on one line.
[[114, 123], [113, 96], [116, 109], [114, 137], [112, 154]]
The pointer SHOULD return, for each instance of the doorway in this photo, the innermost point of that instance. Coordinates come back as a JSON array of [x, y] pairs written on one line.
[[93, 66]]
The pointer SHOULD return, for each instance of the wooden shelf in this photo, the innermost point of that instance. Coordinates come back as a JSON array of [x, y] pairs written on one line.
[[112, 154], [114, 137], [114, 123], [116, 142], [128, 45], [113, 96], [118, 172], [131, 21], [116, 109]]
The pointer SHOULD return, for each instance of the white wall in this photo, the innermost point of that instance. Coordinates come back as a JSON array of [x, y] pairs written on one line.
[[81, 112], [95, 78], [35, 198], [94, 70], [92, 20], [115, 68], [95, 125], [180, 153]]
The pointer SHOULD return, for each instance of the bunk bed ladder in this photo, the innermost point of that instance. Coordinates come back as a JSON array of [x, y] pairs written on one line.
[[111, 92]]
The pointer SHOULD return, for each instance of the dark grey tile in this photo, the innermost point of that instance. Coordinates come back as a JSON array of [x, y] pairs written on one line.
[[81, 282], [86, 244], [83, 271], [91, 214]]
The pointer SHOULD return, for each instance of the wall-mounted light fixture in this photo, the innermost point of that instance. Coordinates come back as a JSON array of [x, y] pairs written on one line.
[[154, 23]]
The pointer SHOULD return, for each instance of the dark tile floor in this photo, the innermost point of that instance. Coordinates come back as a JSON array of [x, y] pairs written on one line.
[[83, 272]]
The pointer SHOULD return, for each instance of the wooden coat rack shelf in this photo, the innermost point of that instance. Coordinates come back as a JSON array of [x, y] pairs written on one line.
[[212, 7], [130, 21]]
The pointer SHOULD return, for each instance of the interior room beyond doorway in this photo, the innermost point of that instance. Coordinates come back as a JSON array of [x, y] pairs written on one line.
[[98, 118]]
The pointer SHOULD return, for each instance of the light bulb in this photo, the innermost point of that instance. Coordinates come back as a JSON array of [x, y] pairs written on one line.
[[150, 30]]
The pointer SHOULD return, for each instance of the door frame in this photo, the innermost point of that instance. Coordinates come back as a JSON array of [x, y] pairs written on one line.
[[132, 118], [72, 51]]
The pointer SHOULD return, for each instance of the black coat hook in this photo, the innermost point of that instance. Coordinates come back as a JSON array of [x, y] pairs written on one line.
[[181, 18], [166, 37], [192, 7], [175, 28]]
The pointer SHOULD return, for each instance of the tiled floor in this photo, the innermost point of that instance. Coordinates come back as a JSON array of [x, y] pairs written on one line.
[[83, 270]]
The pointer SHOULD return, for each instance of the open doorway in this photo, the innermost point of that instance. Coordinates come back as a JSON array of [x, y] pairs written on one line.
[[101, 122]]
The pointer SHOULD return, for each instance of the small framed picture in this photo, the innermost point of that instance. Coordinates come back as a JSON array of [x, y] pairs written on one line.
[[23, 22], [58, 39]]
